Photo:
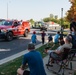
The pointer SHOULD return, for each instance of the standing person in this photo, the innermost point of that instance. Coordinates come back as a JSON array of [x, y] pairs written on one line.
[[73, 37], [56, 38], [33, 38], [43, 37], [35, 62], [73, 32], [72, 25]]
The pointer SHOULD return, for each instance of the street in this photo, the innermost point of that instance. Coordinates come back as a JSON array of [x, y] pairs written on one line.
[[19, 44]]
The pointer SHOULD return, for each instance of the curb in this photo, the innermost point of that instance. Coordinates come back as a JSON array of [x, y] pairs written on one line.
[[12, 57]]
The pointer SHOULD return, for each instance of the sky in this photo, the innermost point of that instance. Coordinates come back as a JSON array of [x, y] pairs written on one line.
[[32, 9]]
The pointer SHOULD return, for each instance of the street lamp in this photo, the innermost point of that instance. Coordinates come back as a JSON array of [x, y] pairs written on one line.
[[8, 1], [61, 20], [7, 10]]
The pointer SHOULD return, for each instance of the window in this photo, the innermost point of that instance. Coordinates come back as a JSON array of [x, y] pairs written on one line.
[[8, 23]]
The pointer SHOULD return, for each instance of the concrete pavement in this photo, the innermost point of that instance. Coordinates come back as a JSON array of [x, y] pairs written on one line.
[[56, 68]]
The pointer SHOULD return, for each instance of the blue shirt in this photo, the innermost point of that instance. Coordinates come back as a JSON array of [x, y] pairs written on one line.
[[35, 63], [56, 38], [33, 38]]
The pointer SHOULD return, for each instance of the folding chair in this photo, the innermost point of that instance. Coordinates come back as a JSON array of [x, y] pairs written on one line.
[[72, 54], [60, 60], [73, 50]]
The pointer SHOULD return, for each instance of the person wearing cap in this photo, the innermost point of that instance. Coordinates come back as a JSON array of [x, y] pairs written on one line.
[[35, 62], [33, 38]]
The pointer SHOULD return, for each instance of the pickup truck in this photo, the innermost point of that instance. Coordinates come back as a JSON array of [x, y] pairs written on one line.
[[13, 28]]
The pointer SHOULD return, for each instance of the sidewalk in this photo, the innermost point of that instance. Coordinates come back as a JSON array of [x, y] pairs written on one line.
[[56, 68]]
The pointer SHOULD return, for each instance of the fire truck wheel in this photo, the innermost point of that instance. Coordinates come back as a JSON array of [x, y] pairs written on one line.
[[9, 36], [26, 33]]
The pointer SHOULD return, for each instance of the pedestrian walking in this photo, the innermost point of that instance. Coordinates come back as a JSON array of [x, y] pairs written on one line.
[[43, 37]]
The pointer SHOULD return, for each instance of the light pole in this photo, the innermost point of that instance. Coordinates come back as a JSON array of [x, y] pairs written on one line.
[[61, 20], [7, 10]]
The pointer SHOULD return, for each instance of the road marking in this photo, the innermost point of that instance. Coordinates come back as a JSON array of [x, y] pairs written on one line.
[[1, 50]]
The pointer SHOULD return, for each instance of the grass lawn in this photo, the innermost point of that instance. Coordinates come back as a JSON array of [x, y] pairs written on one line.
[[11, 67]]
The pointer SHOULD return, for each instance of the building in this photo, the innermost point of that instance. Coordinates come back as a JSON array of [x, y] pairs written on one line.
[[53, 26]]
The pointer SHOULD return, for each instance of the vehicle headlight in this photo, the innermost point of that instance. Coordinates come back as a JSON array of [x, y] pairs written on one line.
[[3, 30]]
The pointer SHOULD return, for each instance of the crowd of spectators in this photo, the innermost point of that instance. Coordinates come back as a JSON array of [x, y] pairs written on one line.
[[34, 59]]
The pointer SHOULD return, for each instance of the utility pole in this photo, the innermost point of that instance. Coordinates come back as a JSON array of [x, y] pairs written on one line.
[[61, 20], [7, 10]]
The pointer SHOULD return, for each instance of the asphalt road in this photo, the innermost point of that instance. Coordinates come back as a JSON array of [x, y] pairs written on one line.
[[19, 44]]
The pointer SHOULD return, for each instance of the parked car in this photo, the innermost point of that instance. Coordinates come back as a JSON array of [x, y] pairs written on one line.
[[13, 28]]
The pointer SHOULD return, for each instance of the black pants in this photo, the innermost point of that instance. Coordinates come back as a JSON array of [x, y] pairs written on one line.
[[43, 40], [26, 72]]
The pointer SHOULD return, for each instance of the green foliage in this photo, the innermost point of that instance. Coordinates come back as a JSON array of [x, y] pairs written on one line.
[[60, 21], [31, 21], [56, 16], [11, 67], [71, 13], [46, 19], [50, 19]]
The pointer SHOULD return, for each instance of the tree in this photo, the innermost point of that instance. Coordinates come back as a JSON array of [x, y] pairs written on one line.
[[51, 16], [46, 19], [56, 16], [31, 21], [72, 12]]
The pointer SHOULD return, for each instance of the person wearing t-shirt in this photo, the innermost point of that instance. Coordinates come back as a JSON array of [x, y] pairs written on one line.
[[35, 62]]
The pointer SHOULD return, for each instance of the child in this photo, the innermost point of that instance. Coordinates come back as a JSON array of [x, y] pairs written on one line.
[[57, 37], [33, 38], [49, 38]]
